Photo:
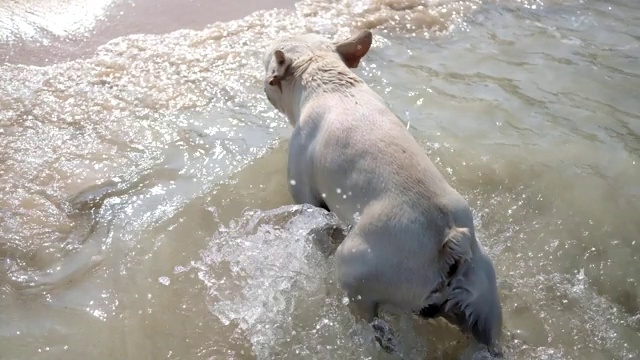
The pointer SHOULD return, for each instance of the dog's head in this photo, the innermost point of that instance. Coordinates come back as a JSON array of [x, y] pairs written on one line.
[[289, 58]]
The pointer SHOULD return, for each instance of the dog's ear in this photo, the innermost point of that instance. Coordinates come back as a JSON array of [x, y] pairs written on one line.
[[354, 48], [283, 63]]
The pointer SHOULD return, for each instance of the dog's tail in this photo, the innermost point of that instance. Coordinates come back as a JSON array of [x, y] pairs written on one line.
[[455, 248]]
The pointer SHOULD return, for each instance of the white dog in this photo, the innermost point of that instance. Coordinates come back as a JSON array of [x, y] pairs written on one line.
[[413, 243]]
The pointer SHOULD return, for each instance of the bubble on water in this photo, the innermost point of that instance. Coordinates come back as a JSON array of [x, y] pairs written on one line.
[[179, 269], [98, 313], [164, 280], [345, 300]]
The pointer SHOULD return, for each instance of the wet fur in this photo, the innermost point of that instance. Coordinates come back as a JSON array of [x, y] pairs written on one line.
[[413, 243]]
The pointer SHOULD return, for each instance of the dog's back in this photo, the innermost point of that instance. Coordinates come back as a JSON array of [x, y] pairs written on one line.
[[367, 164]]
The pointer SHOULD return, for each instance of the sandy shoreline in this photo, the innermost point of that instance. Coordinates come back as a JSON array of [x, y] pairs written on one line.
[[42, 33]]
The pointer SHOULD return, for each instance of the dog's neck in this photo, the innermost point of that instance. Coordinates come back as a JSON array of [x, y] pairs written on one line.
[[310, 77], [295, 91]]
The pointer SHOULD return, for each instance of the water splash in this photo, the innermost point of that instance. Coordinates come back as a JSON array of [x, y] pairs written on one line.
[[266, 273]]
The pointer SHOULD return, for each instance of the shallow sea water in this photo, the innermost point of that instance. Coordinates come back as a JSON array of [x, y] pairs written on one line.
[[144, 211]]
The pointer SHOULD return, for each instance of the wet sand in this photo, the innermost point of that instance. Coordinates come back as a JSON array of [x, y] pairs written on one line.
[[42, 33]]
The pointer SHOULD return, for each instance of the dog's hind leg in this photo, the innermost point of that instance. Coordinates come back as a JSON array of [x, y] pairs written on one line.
[[360, 280]]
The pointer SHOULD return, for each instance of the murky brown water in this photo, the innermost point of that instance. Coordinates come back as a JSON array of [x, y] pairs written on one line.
[[140, 185]]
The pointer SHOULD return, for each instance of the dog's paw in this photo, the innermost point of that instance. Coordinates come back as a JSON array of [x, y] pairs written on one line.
[[482, 352], [385, 336], [496, 352]]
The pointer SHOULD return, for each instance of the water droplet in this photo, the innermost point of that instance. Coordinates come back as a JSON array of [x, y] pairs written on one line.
[[324, 195], [338, 190], [345, 301], [179, 269], [292, 182]]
